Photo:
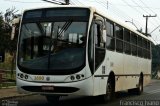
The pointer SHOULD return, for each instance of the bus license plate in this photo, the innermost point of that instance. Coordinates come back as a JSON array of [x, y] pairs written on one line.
[[47, 88]]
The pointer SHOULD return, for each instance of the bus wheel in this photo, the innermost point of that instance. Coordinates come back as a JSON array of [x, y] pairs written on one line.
[[139, 90], [110, 92], [52, 99]]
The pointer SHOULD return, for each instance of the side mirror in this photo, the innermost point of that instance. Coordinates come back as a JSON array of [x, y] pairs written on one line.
[[104, 35]]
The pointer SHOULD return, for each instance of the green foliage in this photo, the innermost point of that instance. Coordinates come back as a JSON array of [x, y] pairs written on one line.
[[6, 44], [7, 63], [5, 41]]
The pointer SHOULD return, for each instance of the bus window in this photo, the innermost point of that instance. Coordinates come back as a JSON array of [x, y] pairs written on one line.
[[148, 45], [119, 38], [134, 44], [127, 45], [110, 43], [134, 50], [140, 41], [139, 46], [109, 29], [126, 35], [119, 45], [133, 38], [127, 48], [144, 43], [110, 36], [149, 48], [119, 32]]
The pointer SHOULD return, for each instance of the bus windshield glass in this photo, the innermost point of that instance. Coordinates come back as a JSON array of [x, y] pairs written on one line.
[[53, 44]]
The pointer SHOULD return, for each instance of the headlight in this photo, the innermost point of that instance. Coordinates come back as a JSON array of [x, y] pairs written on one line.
[[75, 77]]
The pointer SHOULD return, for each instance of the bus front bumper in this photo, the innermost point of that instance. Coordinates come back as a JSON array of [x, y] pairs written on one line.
[[83, 87]]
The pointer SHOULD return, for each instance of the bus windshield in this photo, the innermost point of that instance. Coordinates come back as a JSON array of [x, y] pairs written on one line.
[[52, 46]]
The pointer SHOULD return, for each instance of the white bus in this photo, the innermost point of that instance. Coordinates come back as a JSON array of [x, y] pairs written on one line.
[[71, 50]]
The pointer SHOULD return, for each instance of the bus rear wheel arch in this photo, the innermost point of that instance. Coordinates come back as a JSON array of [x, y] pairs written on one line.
[[139, 89]]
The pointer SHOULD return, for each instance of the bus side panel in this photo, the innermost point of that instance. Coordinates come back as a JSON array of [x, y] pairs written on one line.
[[115, 64], [130, 72]]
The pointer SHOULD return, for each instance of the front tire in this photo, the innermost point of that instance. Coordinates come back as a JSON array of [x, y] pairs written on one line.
[[110, 92]]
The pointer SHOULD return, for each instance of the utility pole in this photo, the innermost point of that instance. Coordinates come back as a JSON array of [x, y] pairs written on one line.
[[148, 16], [133, 24]]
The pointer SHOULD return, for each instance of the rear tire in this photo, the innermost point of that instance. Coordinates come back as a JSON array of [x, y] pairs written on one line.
[[139, 89]]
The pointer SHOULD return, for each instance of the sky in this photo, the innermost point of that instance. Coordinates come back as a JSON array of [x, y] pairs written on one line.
[[121, 10]]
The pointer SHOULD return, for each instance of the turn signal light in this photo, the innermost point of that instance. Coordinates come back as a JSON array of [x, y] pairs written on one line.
[[26, 77]]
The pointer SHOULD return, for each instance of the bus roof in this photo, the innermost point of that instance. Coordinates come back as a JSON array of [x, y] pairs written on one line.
[[98, 12]]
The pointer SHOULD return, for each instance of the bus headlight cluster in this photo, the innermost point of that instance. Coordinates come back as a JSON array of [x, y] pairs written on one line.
[[77, 77], [22, 76]]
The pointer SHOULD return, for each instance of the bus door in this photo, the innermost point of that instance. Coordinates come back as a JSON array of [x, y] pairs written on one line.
[[99, 54]]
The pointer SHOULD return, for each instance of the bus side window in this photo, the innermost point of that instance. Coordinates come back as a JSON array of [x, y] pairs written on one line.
[[110, 44], [127, 45], [119, 38]]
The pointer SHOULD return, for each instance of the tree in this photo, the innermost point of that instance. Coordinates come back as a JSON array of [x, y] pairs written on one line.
[[155, 59], [4, 37], [6, 43], [12, 45]]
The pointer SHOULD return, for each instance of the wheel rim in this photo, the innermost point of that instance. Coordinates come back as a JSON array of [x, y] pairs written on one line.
[[141, 87]]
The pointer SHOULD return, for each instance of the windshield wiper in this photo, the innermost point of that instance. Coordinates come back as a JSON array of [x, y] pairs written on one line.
[[64, 28]]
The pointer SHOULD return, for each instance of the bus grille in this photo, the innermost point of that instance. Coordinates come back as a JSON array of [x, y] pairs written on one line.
[[57, 89]]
